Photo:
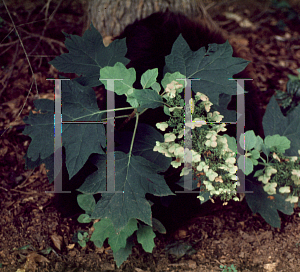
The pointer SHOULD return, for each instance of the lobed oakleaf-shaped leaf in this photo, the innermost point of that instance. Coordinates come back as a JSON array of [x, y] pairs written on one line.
[[87, 55], [274, 122], [105, 229], [148, 98], [229, 115], [214, 67], [80, 140], [123, 253], [41, 130], [145, 236], [260, 202], [144, 142], [134, 176]]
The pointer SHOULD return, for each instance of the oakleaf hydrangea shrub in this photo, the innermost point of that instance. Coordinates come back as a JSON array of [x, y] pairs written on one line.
[[144, 154]]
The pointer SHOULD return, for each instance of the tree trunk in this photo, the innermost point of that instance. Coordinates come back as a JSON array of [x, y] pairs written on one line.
[[111, 17]]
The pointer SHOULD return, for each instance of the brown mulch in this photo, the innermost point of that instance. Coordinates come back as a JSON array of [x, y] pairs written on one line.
[[29, 224]]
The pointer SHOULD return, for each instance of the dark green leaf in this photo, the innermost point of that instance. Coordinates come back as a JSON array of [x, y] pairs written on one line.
[[134, 176], [87, 55], [148, 98], [80, 140], [214, 67], [144, 142], [145, 237], [275, 123], [260, 202]]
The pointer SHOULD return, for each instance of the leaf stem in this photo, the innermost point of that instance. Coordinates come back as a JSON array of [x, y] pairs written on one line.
[[121, 116], [133, 136], [132, 115], [118, 109]]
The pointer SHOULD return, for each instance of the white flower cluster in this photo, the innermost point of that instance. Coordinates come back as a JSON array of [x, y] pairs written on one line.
[[267, 175], [171, 89], [170, 148], [270, 187], [296, 178]]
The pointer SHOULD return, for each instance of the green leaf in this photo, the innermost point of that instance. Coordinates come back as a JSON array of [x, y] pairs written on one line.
[[118, 241], [84, 218], [274, 122], [254, 162], [265, 150], [247, 168], [205, 194], [259, 173], [134, 176], [149, 78], [255, 154], [156, 86], [178, 77], [259, 143], [105, 229], [167, 111], [41, 130], [124, 78], [231, 141], [148, 98], [86, 202], [145, 237], [132, 101], [281, 143], [122, 254], [82, 243], [250, 140], [87, 55], [260, 202], [229, 115], [79, 235], [158, 226], [80, 140], [214, 67], [144, 142]]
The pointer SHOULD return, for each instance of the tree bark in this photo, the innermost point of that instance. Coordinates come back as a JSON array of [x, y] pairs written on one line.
[[111, 17]]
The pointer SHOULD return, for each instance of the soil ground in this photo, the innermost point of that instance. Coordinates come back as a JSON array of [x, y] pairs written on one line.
[[29, 224]]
